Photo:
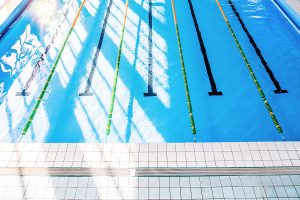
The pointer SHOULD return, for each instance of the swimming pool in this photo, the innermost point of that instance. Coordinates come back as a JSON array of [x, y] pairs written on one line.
[[150, 102]]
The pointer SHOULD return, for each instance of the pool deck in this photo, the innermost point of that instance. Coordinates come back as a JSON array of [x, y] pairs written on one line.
[[166, 155], [295, 4], [255, 170]]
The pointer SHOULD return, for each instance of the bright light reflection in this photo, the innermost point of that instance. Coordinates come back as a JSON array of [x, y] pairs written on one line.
[[91, 7], [143, 129], [44, 10], [41, 125]]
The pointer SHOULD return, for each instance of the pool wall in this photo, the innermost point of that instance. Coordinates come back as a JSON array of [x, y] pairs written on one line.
[[291, 9]]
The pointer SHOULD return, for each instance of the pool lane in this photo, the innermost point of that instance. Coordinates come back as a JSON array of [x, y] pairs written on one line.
[[214, 90], [52, 71], [19, 52], [232, 117], [24, 91], [86, 115], [255, 81], [278, 41], [238, 115], [148, 119], [278, 90]]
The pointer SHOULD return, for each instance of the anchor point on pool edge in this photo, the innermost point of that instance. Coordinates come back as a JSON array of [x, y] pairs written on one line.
[[150, 94], [280, 91], [215, 93], [85, 94], [23, 93]]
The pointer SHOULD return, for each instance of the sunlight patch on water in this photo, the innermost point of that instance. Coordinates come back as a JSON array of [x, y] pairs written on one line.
[[143, 129], [92, 6], [41, 125], [83, 116], [44, 10]]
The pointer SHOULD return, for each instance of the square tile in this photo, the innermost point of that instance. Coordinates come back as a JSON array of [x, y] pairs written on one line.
[[171, 156], [217, 193], [200, 156], [154, 193], [291, 192], [208, 147], [164, 182], [238, 192], [154, 182], [80, 193], [174, 182], [270, 192], [153, 147], [171, 147], [196, 193], [205, 182], [143, 182], [70, 193], [218, 156], [235, 181], [91, 193], [207, 193], [180, 156], [189, 147], [209, 156], [274, 155], [194, 181], [164, 193], [249, 192], [175, 193], [184, 182], [228, 192], [73, 181], [180, 147], [162, 147], [143, 193], [190, 156], [235, 147], [215, 181], [295, 179], [186, 193], [198, 147]]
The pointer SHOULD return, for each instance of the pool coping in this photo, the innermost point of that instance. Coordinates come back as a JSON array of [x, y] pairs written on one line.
[[149, 172], [141, 156]]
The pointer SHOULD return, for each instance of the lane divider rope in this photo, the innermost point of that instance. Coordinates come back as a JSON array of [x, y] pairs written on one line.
[[113, 96], [260, 91], [186, 86], [34, 111]]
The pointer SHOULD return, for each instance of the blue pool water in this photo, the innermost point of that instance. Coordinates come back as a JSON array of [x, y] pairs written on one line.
[[64, 116]]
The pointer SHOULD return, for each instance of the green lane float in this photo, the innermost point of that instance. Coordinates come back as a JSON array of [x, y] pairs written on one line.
[[267, 105], [186, 86], [34, 111], [113, 96]]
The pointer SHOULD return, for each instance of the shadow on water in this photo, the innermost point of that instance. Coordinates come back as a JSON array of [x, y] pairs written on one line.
[[74, 78], [132, 94]]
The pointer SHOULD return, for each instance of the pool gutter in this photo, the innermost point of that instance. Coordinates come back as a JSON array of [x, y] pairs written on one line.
[[291, 10]]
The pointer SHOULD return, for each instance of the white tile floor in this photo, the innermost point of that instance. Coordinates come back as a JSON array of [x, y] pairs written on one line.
[[216, 187], [274, 154]]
